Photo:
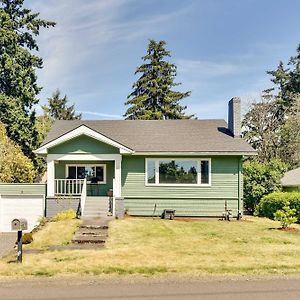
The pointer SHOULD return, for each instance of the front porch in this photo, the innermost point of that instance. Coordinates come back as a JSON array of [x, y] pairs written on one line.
[[84, 176]]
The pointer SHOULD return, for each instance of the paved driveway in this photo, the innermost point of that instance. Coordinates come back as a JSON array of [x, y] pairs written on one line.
[[7, 242]]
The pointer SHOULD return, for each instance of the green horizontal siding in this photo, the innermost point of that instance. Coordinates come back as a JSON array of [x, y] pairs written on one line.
[[83, 144], [186, 200], [183, 206], [22, 188], [224, 181]]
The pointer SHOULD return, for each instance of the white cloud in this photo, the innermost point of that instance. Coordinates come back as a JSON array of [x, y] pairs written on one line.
[[101, 114], [87, 31]]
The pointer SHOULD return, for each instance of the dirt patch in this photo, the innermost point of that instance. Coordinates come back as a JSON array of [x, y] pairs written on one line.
[[289, 229]]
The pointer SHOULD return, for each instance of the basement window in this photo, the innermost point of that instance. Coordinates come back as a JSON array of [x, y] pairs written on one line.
[[178, 172]]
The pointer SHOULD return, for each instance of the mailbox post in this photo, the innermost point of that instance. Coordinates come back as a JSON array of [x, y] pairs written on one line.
[[19, 225]]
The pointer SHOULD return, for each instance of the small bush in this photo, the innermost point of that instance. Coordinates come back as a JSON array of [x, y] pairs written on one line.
[[286, 216], [64, 215], [42, 221], [273, 202], [27, 238]]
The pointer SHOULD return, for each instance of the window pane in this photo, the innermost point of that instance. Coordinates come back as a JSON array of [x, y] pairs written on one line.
[[205, 171], [151, 171], [100, 173], [89, 172], [71, 173], [80, 172], [178, 171]]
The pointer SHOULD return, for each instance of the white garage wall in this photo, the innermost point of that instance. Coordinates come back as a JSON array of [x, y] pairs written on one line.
[[30, 207]]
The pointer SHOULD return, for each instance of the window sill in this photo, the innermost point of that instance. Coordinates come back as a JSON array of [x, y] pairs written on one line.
[[178, 185]]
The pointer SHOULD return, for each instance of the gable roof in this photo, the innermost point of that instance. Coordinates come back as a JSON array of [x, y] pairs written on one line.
[[153, 136], [291, 178]]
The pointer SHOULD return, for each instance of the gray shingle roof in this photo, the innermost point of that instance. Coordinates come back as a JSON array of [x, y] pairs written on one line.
[[161, 135], [291, 178]]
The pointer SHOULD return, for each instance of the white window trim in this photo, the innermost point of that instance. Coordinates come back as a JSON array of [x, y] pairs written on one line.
[[198, 184], [88, 165]]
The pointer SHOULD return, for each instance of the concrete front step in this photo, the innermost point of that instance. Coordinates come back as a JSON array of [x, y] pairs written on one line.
[[92, 231], [89, 239], [87, 208], [95, 213]]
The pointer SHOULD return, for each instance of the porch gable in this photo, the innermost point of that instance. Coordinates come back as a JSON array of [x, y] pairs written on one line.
[[77, 135]]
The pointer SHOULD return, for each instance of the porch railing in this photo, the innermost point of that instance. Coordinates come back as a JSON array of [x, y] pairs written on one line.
[[69, 186]]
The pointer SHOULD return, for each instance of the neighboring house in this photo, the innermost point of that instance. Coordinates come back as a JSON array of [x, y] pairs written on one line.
[[192, 166], [291, 180]]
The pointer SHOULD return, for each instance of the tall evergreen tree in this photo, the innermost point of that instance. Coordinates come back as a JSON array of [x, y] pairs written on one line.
[[287, 84], [152, 96], [271, 124], [18, 81], [58, 109]]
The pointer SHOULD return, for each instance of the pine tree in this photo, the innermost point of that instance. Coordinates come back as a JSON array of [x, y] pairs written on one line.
[[153, 97], [18, 81], [57, 108]]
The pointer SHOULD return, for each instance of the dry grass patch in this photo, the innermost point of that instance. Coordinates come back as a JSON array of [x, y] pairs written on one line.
[[150, 247], [54, 233]]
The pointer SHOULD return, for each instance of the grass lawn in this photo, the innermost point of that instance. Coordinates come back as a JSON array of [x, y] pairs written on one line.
[[153, 247], [54, 233]]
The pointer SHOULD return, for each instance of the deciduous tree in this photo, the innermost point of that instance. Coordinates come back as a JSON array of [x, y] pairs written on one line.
[[14, 165]]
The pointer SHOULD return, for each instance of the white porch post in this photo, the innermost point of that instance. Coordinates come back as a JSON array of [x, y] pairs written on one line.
[[117, 192], [50, 177]]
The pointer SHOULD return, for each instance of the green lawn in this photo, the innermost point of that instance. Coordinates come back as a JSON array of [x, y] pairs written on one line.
[[158, 247]]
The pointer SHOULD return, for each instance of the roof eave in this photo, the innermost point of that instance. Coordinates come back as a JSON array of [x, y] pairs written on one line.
[[197, 153]]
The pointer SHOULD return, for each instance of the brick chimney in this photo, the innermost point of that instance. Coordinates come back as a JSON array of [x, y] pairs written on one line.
[[234, 116]]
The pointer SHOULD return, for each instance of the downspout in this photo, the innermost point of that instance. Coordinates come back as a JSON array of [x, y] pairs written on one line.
[[240, 208]]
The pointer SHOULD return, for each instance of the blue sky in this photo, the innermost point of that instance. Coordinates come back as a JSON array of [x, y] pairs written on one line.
[[222, 48]]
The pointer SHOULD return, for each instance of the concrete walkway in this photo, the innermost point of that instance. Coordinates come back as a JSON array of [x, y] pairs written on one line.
[[7, 242]]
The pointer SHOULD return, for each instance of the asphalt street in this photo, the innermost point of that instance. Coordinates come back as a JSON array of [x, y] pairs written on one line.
[[64, 288]]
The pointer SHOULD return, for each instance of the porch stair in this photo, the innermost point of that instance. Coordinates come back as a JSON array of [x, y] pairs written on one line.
[[93, 231], [96, 207]]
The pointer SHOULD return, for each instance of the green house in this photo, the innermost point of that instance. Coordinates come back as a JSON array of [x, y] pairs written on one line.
[[146, 166]]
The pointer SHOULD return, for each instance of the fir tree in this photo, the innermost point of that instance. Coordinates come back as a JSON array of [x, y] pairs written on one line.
[[152, 96], [58, 109], [18, 81]]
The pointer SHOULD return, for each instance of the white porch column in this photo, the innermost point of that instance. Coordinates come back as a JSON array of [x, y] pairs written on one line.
[[117, 192], [50, 177]]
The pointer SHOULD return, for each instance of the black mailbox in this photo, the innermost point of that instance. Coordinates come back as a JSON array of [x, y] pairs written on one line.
[[19, 224]]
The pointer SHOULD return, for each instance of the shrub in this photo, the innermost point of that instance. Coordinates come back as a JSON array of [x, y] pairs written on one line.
[[273, 202], [261, 179], [27, 238], [64, 215], [42, 221], [286, 216]]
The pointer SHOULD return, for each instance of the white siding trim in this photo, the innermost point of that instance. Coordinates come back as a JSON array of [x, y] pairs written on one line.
[[83, 156]]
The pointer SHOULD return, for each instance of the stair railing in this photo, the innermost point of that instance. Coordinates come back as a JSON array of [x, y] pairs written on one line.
[[114, 198], [83, 197]]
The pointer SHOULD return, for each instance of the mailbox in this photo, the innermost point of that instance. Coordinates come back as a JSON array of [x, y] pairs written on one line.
[[19, 224]]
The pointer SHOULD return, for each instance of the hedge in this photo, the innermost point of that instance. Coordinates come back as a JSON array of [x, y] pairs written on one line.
[[269, 204]]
